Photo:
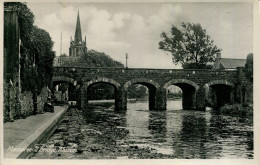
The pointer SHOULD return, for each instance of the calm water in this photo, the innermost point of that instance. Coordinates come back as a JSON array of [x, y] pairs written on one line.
[[183, 133]]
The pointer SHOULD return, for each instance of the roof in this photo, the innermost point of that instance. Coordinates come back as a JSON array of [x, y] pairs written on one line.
[[78, 36], [232, 63]]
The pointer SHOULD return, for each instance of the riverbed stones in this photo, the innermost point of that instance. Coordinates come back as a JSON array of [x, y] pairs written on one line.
[[91, 139]]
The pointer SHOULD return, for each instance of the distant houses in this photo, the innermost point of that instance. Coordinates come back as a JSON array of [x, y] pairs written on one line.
[[228, 63]]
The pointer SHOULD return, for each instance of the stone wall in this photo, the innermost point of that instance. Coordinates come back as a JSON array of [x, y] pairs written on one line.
[[60, 97], [11, 102], [42, 99], [26, 103], [244, 88], [20, 105], [119, 78]]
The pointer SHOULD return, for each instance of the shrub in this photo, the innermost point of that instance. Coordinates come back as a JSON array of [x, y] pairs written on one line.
[[237, 110]]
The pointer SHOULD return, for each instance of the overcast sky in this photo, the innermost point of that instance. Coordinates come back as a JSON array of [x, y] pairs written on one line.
[[135, 28]]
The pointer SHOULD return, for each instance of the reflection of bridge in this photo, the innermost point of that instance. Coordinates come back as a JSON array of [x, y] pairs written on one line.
[[195, 84]]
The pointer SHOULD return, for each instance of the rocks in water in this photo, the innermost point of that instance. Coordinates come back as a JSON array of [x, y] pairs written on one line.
[[79, 150], [51, 146], [73, 145], [94, 149], [102, 139], [134, 147], [58, 143], [72, 140], [61, 129], [66, 120], [57, 137]]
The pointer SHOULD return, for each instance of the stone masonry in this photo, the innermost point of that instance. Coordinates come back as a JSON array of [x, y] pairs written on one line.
[[195, 84]]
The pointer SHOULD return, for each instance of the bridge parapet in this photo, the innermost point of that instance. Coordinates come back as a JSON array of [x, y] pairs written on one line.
[[161, 76]]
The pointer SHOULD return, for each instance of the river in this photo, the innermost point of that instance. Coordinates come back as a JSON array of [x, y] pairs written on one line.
[[140, 133]]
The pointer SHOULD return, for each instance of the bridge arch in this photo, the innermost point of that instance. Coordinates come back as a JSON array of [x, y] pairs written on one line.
[[189, 91], [64, 79], [88, 84], [181, 81], [102, 80], [218, 93], [218, 82], [70, 93], [143, 81], [152, 86]]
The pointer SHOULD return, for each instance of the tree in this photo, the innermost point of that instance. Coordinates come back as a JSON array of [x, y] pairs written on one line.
[[137, 91], [36, 50], [63, 55], [44, 56], [190, 46], [249, 67], [26, 20], [99, 59]]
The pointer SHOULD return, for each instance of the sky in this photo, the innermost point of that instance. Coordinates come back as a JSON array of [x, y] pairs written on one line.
[[135, 28]]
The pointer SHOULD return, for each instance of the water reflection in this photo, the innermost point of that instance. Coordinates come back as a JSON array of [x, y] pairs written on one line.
[[182, 133], [157, 126], [193, 137]]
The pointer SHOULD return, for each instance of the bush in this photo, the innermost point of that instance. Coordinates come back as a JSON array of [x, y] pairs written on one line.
[[237, 110]]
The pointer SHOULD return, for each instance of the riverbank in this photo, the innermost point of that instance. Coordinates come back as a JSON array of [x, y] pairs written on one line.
[[21, 135]]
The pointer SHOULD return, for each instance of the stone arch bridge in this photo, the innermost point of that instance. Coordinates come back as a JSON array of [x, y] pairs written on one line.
[[195, 84]]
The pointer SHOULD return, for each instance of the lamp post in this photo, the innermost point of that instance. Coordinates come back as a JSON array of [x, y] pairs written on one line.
[[126, 57]]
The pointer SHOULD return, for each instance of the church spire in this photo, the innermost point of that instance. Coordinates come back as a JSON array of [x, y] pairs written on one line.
[[78, 36]]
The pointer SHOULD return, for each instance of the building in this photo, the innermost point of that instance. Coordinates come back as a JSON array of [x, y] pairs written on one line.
[[77, 47], [228, 63]]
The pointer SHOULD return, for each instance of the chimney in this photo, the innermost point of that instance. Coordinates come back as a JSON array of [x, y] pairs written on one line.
[[218, 55]]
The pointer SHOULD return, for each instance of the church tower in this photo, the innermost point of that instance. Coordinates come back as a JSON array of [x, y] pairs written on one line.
[[77, 47]]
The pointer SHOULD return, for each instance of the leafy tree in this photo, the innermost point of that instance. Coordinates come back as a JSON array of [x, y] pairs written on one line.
[[189, 46], [97, 59], [36, 49], [249, 67], [44, 56], [137, 91], [26, 20], [63, 55]]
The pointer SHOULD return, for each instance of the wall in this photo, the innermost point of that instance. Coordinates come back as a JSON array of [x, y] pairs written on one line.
[[26, 104], [42, 99], [11, 66], [11, 102]]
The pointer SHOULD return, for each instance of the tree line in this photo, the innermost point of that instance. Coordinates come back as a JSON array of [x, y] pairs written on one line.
[[36, 50]]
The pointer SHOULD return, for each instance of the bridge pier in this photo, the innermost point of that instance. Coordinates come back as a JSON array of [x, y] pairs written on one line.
[[121, 99], [78, 96], [201, 98], [160, 99], [152, 98], [83, 98]]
